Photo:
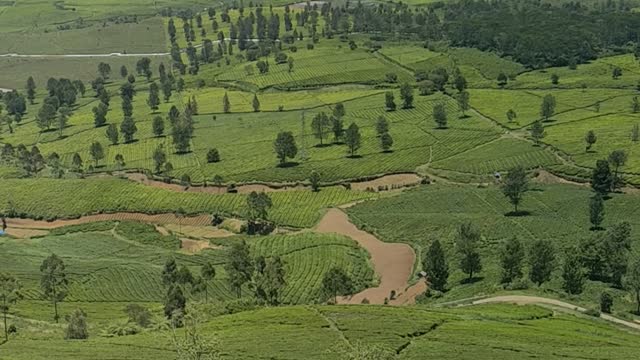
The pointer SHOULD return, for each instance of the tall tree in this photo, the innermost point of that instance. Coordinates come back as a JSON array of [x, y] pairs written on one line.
[[537, 131], [337, 127], [463, 102], [406, 94], [617, 158], [336, 282], [154, 96], [53, 281], [601, 178], [515, 185], [596, 211], [467, 241], [573, 274], [112, 134], [175, 303], [590, 138], [124, 72], [548, 107], [541, 261], [159, 159], [104, 70], [285, 146], [100, 114], [321, 126], [226, 105], [239, 266], [386, 142], [352, 138], [208, 273], [632, 280], [31, 89], [170, 272], [63, 117], [435, 266], [9, 295], [158, 126], [97, 152], [258, 205], [511, 258], [382, 125], [128, 129], [389, 100], [45, 116], [440, 116]]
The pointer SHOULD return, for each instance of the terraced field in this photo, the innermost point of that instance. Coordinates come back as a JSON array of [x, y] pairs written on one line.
[[327, 332], [559, 213], [109, 262]]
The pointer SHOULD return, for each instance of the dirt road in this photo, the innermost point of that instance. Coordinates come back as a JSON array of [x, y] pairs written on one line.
[[535, 300], [393, 262]]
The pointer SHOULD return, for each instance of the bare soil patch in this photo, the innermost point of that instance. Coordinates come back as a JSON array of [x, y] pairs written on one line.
[[160, 219], [22, 233], [388, 182], [201, 232], [195, 246], [393, 263]]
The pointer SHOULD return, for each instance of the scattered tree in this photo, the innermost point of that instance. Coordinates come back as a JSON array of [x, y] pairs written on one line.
[[226, 105], [112, 134], [468, 238], [9, 295], [53, 281], [590, 139], [213, 156], [440, 116], [159, 159], [537, 132], [336, 282], [128, 129], [435, 266], [158, 126], [541, 261], [515, 185], [548, 107], [154, 96], [97, 152], [352, 138], [321, 126], [596, 211], [239, 267], [256, 103], [511, 115], [314, 179], [406, 94], [285, 146], [601, 178], [389, 100], [573, 274], [632, 280], [511, 258], [386, 142], [617, 158]]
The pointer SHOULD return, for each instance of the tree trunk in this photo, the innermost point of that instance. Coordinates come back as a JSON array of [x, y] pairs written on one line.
[[55, 309], [6, 330]]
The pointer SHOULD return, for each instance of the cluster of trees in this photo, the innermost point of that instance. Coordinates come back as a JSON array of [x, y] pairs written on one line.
[[604, 257], [179, 283]]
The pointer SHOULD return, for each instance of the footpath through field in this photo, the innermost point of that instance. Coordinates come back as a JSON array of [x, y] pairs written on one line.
[[393, 262], [533, 300]]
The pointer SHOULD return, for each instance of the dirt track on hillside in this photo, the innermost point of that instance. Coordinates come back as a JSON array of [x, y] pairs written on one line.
[[160, 219], [536, 300], [393, 262]]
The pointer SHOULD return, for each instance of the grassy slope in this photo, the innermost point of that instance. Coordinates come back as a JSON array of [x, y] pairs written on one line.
[[487, 332]]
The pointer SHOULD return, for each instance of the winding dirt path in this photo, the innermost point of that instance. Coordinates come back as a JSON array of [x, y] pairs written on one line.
[[160, 219], [393, 262], [536, 300], [382, 183]]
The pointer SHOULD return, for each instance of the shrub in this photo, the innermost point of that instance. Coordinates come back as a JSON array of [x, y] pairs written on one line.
[[213, 156], [592, 312], [77, 328], [281, 58], [138, 314], [606, 302], [309, 46], [293, 49], [200, 83]]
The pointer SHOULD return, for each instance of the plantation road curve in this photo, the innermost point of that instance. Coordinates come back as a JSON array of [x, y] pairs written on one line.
[[393, 263]]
